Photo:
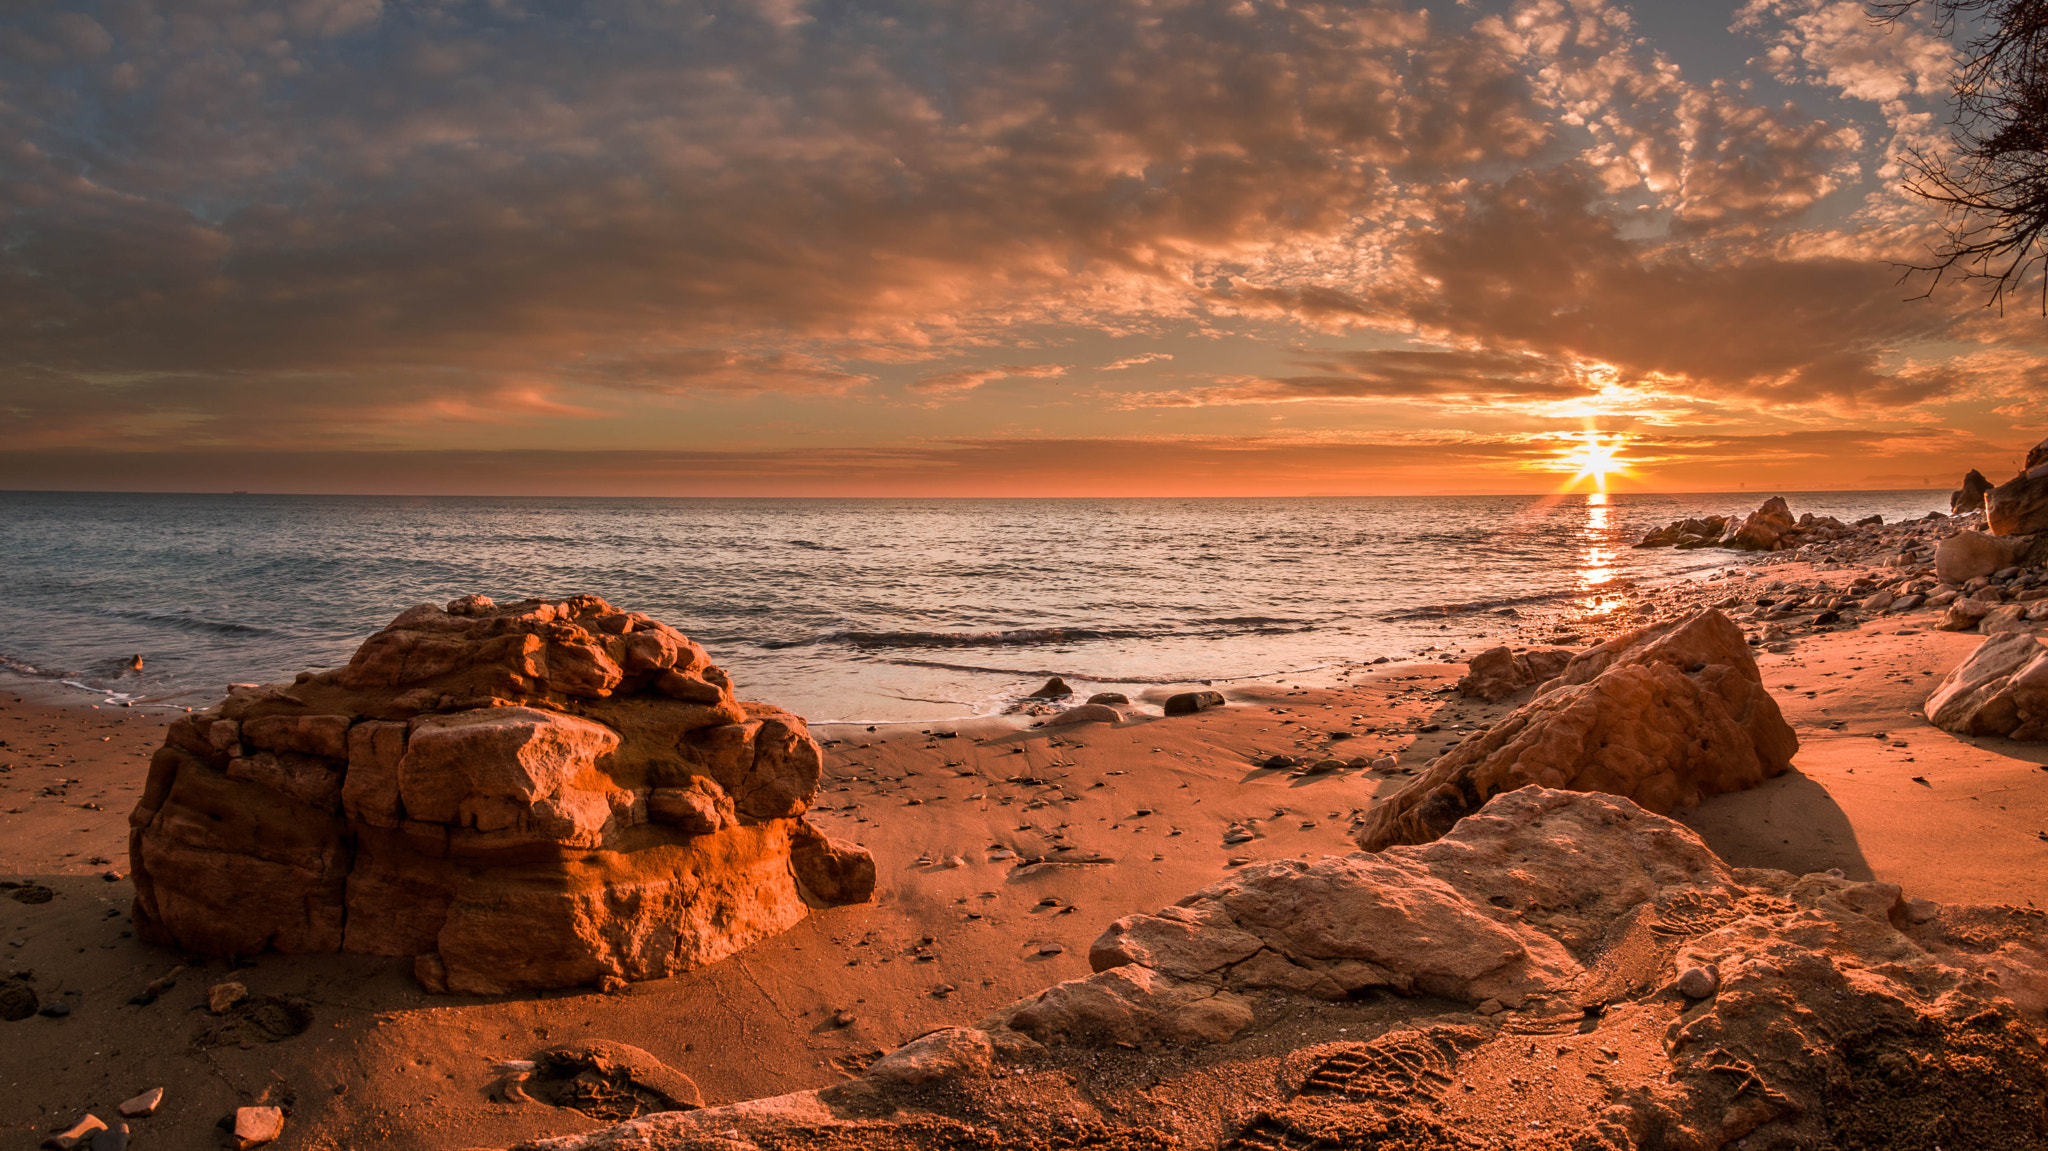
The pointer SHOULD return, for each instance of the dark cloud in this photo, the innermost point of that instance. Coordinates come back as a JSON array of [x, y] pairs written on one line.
[[1393, 374]]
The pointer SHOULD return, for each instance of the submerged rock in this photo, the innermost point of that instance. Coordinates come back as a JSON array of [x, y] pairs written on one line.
[[547, 794], [1666, 715]]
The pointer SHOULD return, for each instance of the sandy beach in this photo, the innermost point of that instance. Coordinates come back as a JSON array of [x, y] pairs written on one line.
[[1003, 850]]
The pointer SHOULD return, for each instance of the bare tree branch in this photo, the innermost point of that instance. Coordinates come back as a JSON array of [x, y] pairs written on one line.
[[1993, 189]]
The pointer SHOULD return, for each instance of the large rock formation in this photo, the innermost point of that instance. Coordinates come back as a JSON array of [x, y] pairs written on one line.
[[1566, 971], [1970, 497], [1964, 556], [2002, 689], [539, 795], [1765, 529], [2019, 506], [1666, 715]]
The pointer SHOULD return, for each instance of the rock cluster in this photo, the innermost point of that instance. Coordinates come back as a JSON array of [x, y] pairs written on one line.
[[1567, 939], [545, 794], [1665, 715], [1770, 528]]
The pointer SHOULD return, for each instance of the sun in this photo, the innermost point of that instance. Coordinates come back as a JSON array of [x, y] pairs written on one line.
[[1594, 458]]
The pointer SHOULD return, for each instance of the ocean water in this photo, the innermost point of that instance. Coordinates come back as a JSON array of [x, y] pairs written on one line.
[[867, 610]]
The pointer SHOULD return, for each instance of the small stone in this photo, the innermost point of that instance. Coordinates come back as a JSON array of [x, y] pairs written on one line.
[[57, 1010], [114, 1138], [1052, 949], [143, 1104], [1114, 698], [1699, 982], [842, 1018], [255, 1126], [1492, 1007], [222, 997], [76, 1134], [1278, 762], [1054, 688], [1189, 702], [1237, 837], [1921, 910]]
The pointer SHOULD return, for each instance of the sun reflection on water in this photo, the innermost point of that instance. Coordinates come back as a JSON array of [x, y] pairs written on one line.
[[1597, 556]]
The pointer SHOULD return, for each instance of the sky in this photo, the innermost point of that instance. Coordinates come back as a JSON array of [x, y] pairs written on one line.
[[983, 248]]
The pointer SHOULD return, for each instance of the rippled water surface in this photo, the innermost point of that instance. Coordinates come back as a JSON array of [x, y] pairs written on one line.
[[837, 609]]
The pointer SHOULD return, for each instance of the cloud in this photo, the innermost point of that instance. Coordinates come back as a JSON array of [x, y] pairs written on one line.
[[967, 379], [1391, 374], [1135, 361]]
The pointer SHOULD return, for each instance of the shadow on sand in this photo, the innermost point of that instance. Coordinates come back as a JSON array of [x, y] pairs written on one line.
[[1790, 823]]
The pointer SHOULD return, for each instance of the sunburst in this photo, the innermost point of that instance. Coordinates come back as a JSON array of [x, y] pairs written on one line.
[[1594, 458]]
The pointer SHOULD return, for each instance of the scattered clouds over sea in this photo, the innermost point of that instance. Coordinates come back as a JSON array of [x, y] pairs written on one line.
[[891, 229]]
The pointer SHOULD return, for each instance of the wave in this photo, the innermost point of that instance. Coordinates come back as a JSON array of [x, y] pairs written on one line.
[[1042, 636], [191, 623], [1467, 607]]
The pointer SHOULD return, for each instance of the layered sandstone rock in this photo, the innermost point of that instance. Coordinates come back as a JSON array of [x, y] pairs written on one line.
[[1498, 672], [1659, 997], [539, 795], [2002, 689], [1666, 715]]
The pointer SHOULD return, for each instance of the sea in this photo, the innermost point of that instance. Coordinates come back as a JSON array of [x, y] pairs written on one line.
[[842, 610]]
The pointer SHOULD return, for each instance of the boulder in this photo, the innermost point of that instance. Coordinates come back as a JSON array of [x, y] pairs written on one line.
[[1190, 702], [1497, 672], [2002, 689], [1112, 698], [1970, 497], [546, 794], [2019, 506], [1666, 715], [1765, 529], [1964, 556]]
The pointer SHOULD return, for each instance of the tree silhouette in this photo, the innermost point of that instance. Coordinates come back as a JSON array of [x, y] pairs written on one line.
[[1993, 187]]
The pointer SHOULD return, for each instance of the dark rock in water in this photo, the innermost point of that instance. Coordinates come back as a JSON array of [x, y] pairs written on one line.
[[1189, 702], [1970, 497], [1053, 688], [1115, 698], [1765, 529]]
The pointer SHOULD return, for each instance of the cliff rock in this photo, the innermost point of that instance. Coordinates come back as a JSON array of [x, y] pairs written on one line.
[[546, 794]]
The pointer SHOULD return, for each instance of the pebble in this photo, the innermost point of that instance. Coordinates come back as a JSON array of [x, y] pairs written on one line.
[[1699, 982], [114, 1138], [143, 1104], [1052, 949], [255, 1126], [1237, 837], [55, 1010], [842, 1019], [1280, 761], [75, 1135], [222, 997]]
